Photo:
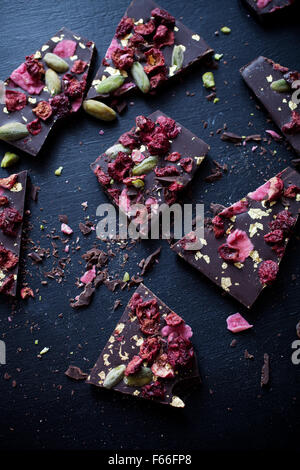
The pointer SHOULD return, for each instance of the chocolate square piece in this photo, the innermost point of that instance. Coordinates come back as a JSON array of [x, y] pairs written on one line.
[[277, 88], [244, 244], [48, 86], [268, 8], [150, 37], [149, 354], [12, 200], [151, 164]]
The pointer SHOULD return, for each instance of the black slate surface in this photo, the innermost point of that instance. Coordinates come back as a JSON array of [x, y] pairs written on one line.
[[229, 411]]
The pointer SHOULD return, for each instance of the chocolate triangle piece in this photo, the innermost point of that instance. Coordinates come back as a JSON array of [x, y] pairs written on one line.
[[146, 35], [12, 200], [277, 88], [244, 244], [149, 354], [47, 87], [265, 9]]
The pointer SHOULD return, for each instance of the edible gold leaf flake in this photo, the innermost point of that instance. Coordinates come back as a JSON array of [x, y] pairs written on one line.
[[81, 45], [123, 356], [196, 37], [17, 188], [254, 228], [224, 265], [239, 265], [177, 402], [255, 256], [105, 359], [102, 375], [298, 197], [119, 328], [206, 258], [74, 57], [44, 47], [55, 39], [199, 160], [269, 78], [136, 393], [292, 105], [257, 213], [226, 283]]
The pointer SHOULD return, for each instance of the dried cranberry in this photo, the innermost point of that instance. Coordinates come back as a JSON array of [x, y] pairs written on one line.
[[292, 191], [145, 29], [169, 170], [149, 349], [134, 365], [187, 164], [180, 352], [284, 221], [7, 284], [268, 271], [173, 319], [130, 140], [173, 157], [34, 67], [34, 127], [274, 237], [72, 87], [158, 79], [159, 144], [122, 58], [163, 36], [163, 17], [9, 221], [155, 60], [9, 182], [119, 168], [102, 177], [43, 110], [168, 126], [79, 66], [218, 226], [15, 100], [148, 315], [292, 127], [228, 253], [154, 390], [61, 105], [124, 27], [8, 259]]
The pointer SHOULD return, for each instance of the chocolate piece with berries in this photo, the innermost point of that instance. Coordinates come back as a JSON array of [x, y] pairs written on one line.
[[149, 48], [266, 9], [244, 244], [48, 86], [149, 355], [278, 89], [12, 200], [149, 165]]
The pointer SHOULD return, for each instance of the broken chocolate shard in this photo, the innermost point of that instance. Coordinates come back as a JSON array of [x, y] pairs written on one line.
[[265, 371], [149, 354], [38, 95], [13, 189], [75, 373], [244, 244], [149, 261], [271, 83], [84, 298], [85, 229], [147, 35]]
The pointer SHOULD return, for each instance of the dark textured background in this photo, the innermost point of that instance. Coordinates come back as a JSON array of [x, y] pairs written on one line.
[[230, 410]]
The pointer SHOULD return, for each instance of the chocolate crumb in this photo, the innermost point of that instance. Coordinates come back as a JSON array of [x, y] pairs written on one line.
[[265, 371], [75, 373]]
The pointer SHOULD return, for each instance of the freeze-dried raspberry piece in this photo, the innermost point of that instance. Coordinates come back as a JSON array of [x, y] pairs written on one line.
[[130, 140], [170, 196], [124, 27], [102, 177], [145, 124], [34, 67], [72, 87], [189, 239], [145, 29], [237, 323], [284, 221], [159, 144], [79, 66], [162, 367], [155, 60], [136, 40], [163, 36], [218, 226], [180, 352], [119, 168], [158, 79], [61, 105], [292, 127], [168, 126], [122, 58], [292, 191], [134, 365], [163, 17], [173, 157], [7, 284], [34, 127], [268, 271], [9, 221], [175, 187], [9, 182], [173, 319], [15, 100], [27, 82], [114, 194], [26, 292], [169, 170], [228, 253], [8, 259], [149, 349], [154, 390], [148, 316], [65, 48], [43, 110], [276, 236], [136, 300], [187, 164], [237, 247], [236, 208]]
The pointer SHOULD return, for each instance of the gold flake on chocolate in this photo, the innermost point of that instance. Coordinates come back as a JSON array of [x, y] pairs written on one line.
[[257, 213], [196, 37], [177, 402], [226, 283]]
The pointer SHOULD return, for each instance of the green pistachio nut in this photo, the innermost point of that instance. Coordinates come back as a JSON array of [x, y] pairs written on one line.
[[112, 152], [208, 80], [56, 63], [177, 56], [9, 159], [281, 86], [110, 84], [114, 376], [126, 277], [13, 131], [140, 77], [99, 110], [53, 82], [138, 183], [145, 166], [143, 377]]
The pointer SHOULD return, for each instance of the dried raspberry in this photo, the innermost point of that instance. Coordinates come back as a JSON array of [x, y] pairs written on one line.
[[168, 126], [218, 226], [43, 110], [189, 239], [122, 58], [9, 182], [276, 188], [292, 191], [163, 17], [145, 124], [170, 196], [26, 292], [136, 300], [163, 36], [175, 186], [279, 249], [135, 40], [173, 157], [8, 259], [119, 168], [268, 271], [114, 194], [159, 144], [169, 170], [102, 177], [145, 28], [134, 365], [124, 27], [34, 67], [72, 87], [292, 127], [284, 221], [149, 349], [162, 368], [180, 352], [158, 79], [130, 140], [3, 201], [187, 164], [276, 236], [148, 315], [154, 390], [9, 221], [7, 284], [61, 105], [236, 208], [15, 100], [228, 253], [155, 60], [79, 66], [173, 319], [34, 127]]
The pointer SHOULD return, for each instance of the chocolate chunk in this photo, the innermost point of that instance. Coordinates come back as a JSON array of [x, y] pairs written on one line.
[[75, 373], [85, 297], [231, 137], [148, 262], [265, 371], [85, 229], [63, 219]]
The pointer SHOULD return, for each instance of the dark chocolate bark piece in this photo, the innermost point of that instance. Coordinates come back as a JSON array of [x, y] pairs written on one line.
[[174, 168], [26, 88], [149, 354], [12, 200], [164, 32], [261, 75], [244, 244], [268, 8]]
